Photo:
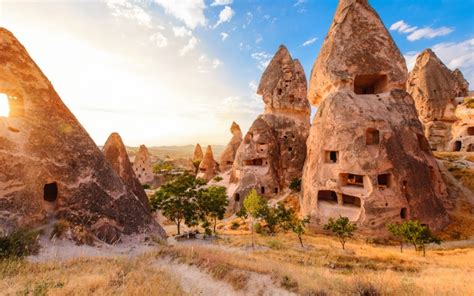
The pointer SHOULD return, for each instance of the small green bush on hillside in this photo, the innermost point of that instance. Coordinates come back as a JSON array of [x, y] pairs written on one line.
[[19, 243]]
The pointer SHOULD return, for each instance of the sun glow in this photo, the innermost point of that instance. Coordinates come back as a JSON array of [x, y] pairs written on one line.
[[4, 106]]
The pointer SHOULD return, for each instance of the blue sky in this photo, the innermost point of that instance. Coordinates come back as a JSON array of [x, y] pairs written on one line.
[[164, 72]]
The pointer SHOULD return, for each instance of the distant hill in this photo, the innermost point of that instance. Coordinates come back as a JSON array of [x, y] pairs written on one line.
[[175, 152]]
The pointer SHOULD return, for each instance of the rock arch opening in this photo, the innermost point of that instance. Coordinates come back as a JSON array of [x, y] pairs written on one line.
[[370, 84], [50, 192]]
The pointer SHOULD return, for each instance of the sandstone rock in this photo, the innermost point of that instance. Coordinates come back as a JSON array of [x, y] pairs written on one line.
[[434, 88], [142, 166], [116, 154], [197, 155], [358, 54], [185, 164], [462, 132], [273, 151], [208, 168], [367, 156], [228, 155], [49, 166]]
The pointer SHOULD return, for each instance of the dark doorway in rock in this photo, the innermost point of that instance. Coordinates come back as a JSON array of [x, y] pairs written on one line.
[[331, 156], [383, 181], [327, 195], [262, 190], [457, 146], [237, 197], [370, 84], [50, 192], [470, 131], [254, 162], [275, 190], [403, 213], [372, 137], [350, 200], [352, 180]]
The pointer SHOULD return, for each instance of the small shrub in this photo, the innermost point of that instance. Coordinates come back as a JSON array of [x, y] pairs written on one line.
[[295, 185], [234, 225], [19, 243], [365, 289], [275, 244], [146, 186], [218, 178], [288, 283], [60, 228], [258, 228]]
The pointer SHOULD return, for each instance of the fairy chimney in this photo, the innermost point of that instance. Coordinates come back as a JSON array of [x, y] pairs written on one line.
[[49, 165], [208, 167], [367, 155], [116, 154], [273, 151], [142, 166], [228, 155], [197, 155], [435, 88]]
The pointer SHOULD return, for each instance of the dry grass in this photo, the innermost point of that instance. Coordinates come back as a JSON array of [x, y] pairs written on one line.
[[100, 276]]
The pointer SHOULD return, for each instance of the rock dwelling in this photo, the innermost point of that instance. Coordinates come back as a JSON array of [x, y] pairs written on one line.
[[368, 158], [49, 166], [142, 166], [208, 168], [273, 151]]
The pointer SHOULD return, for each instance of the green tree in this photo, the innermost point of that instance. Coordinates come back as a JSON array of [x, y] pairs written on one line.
[[415, 233], [295, 185], [176, 200], [342, 228], [253, 204], [396, 230], [270, 216], [289, 220], [212, 203]]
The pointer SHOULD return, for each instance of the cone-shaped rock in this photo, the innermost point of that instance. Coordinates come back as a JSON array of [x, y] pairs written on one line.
[[367, 155], [142, 166], [434, 88], [197, 155], [208, 167], [228, 155], [273, 151], [49, 166], [116, 154], [358, 54]]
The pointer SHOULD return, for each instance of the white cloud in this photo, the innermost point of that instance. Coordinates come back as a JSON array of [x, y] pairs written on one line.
[[221, 2], [225, 15], [248, 19], [216, 63], [415, 33], [129, 10], [309, 41], [191, 12], [181, 32], [259, 39], [224, 36], [454, 55], [299, 2], [263, 59], [205, 64], [159, 40], [193, 41]]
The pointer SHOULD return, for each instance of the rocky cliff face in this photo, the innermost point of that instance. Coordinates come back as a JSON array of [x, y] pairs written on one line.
[[228, 155], [434, 88], [208, 168], [367, 156], [462, 131], [49, 166], [273, 151], [142, 166]]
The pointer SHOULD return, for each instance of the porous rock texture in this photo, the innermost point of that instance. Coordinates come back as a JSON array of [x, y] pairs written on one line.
[[228, 155], [273, 151], [142, 166], [435, 88], [49, 165], [367, 156], [462, 132], [208, 168]]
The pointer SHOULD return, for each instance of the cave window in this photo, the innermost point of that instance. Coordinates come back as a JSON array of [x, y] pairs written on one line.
[[423, 143], [457, 146], [50, 192], [202, 169], [237, 197], [383, 181], [290, 149], [327, 195], [4, 106], [331, 156], [350, 200], [470, 148], [470, 131], [254, 162], [262, 190], [403, 213], [370, 84], [276, 190], [352, 180], [229, 162], [280, 91], [372, 137]]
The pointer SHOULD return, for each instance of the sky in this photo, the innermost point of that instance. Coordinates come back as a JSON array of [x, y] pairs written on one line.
[[177, 72]]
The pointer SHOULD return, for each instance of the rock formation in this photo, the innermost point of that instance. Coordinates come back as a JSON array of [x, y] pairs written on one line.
[[462, 133], [273, 151], [142, 166], [49, 166], [228, 155], [434, 88], [367, 156], [208, 168], [116, 154], [197, 155]]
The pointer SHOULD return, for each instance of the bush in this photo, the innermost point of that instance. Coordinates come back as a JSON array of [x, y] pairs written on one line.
[[365, 289], [258, 228], [60, 228], [234, 225], [19, 243], [295, 185], [218, 178], [288, 283], [275, 244]]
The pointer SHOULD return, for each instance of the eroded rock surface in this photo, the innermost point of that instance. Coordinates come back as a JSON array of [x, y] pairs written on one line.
[[435, 88], [197, 155], [208, 168], [228, 155], [142, 166], [273, 151], [462, 132], [367, 155], [49, 165]]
